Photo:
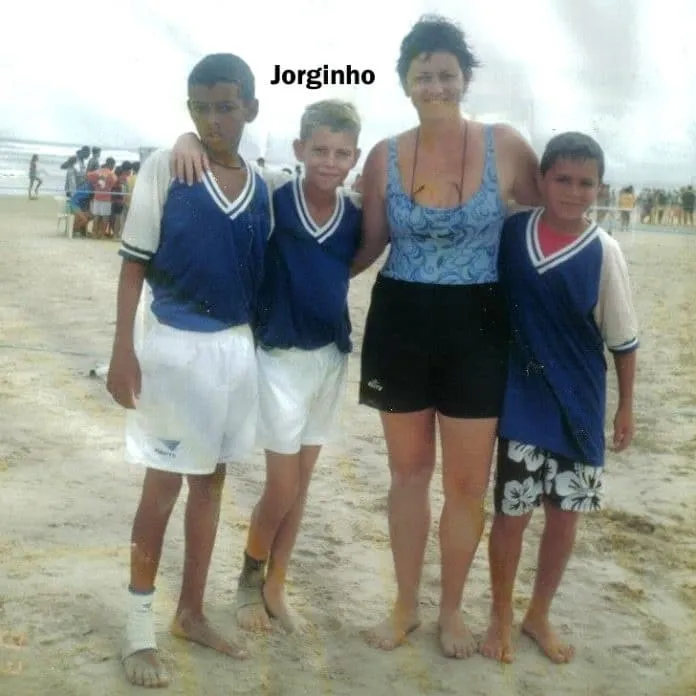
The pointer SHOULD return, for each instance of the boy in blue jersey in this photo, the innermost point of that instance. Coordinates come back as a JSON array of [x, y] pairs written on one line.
[[191, 387], [569, 296], [303, 336]]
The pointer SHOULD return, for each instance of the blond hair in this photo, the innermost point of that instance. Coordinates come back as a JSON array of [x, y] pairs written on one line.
[[334, 114]]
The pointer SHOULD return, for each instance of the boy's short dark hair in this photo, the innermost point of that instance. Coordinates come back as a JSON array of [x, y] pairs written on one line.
[[433, 34], [136, 167], [110, 163], [224, 67], [574, 146]]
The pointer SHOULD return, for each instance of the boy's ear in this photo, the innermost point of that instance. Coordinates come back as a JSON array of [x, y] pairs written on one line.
[[539, 180], [298, 149], [252, 109]]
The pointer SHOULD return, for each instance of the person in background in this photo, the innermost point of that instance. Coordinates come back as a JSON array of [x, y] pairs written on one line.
[[102, 181], [688, 200], [117, 199], [130, 185], [93, 163], [34, 180], [70, 176], [627, 201], [261, 163]]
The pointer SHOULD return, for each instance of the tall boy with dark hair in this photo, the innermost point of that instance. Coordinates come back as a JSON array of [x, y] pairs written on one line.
[[192, 386]]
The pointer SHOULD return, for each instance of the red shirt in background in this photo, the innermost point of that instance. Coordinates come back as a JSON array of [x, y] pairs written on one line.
[[102, 181]]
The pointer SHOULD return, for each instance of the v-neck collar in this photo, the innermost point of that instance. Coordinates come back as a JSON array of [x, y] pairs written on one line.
[[232, 208], [545, 263], [319, 232]]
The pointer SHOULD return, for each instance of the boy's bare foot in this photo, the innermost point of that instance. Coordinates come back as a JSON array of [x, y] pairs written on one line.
[[143, 668], [394, 630], [251, 609], [540, 631], [456, 640], [276, 608], [197, 630], [497, 645]]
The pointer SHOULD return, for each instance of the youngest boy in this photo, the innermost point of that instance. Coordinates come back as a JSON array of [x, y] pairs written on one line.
[[569, 295], [304, 339]]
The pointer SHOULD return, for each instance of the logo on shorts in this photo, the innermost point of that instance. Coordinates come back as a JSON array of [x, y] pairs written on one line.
[[375, 384], [170, 448]]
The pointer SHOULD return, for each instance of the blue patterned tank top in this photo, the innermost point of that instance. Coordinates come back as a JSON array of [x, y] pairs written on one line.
[[445, 246]]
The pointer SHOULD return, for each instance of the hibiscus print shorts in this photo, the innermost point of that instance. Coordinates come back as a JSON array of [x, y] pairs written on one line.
[[526, 475]]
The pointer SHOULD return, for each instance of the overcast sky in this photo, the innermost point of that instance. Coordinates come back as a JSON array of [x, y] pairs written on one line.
[[623, 70]]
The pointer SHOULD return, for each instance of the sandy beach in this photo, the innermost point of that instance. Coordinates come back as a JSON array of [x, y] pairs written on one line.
[[67, 501]]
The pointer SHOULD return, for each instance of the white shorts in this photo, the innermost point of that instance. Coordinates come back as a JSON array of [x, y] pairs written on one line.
[[198, 403], [101, 208], [300, 396]]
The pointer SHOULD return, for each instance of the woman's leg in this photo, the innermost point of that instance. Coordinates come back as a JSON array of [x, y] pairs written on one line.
[[467, 451], [410, 441]]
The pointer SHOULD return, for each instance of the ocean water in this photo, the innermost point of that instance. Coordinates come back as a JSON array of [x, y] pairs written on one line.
[[16, 154]]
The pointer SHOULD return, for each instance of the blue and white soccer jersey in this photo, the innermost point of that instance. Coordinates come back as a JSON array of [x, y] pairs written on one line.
[[198, 404], [564, 309], [303, 326]]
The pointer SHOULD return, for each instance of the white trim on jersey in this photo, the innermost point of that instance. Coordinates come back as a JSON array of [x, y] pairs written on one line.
[[323, 232], [546, 263], [232, 208], [615, 314]]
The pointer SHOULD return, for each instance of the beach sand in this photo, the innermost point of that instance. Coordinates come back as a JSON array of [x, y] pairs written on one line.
[[67, 502]]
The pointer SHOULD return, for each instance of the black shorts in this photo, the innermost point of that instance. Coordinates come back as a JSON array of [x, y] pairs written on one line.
[[435, 346]]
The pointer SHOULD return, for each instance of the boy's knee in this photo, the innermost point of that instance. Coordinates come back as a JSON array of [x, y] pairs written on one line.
[[161, 490], [207, 487], [511, 525]]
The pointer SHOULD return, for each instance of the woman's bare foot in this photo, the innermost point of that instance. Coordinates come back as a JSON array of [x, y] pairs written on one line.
[[276, 608], [540, 631], [394, 630], [456, 640], [197, 630], [497, 645], [143, 668]]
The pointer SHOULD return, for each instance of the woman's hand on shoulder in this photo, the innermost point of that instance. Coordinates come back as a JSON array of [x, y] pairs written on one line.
[[518, 167], [189, 161]]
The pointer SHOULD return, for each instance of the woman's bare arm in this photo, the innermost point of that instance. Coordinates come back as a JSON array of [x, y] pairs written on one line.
[[520, 168], [375, 229]]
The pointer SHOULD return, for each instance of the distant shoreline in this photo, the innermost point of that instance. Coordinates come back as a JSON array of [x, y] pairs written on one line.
[[53, 143]]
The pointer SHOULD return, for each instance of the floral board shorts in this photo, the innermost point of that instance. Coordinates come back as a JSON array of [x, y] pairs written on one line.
[[526, 475]]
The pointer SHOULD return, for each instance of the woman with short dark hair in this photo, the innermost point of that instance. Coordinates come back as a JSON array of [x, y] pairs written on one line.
[[435, 345]]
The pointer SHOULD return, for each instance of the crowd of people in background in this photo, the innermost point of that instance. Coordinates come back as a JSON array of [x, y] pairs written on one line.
[[98, 192], [654, 206]]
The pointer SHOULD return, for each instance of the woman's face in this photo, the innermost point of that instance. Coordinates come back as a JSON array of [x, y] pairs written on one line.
[[435, 83]]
